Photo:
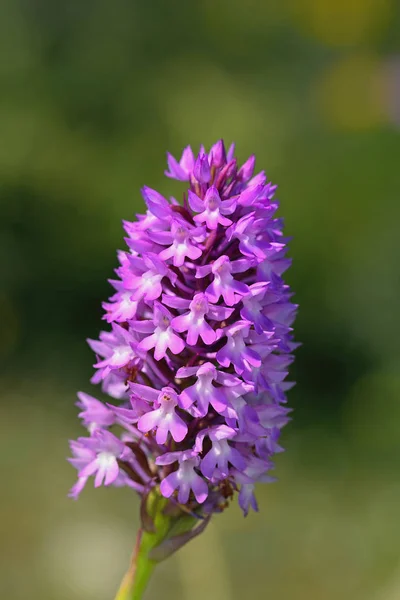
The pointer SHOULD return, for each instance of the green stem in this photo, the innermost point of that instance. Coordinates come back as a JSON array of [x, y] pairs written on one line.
[[138, 575], [163, 532], [144, 566]]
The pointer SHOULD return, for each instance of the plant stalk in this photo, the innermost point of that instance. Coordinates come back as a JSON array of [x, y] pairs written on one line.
[[162, 533], [140, 570], [142, 566]]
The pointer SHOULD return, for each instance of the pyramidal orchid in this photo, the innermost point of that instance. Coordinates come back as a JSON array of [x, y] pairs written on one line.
[[194, 357]]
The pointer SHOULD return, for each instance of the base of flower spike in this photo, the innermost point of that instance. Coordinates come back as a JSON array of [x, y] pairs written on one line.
[[170, 529]]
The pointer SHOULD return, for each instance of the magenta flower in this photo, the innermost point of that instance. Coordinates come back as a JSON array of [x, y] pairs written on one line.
[[116, 348], [184, 168], [194, 322], [223, 283], [143, 276], [94, 414], [236, 351], [181, 242], [212, 209], [185, 479], [162, 336], [164, 419], [256, 471], [198, 346], [201, 394], [216, 461], [98, 456], [121, 306], [201, 169]]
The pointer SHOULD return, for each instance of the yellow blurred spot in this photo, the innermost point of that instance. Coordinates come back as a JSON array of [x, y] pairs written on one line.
[[351, 94], [342, 22]]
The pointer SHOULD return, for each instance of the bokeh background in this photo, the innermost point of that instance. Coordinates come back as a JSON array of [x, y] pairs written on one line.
[[92, 95]]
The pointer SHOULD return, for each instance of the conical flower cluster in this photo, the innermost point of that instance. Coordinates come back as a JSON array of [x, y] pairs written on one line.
[[198, 345]]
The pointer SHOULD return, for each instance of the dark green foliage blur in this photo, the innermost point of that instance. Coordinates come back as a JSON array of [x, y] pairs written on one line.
[[93, 93]]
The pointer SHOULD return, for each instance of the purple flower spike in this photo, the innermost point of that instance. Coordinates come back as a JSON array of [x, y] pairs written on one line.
[[198, 346]]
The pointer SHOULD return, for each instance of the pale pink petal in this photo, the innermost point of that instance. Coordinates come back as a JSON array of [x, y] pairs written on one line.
[[200, 489], [178, 428], [149, 421], [169, 484]]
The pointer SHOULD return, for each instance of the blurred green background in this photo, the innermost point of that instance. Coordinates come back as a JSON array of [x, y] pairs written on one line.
[[92, 95]]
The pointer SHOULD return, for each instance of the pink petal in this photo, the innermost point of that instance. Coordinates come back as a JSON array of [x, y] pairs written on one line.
[[195, 203], [148, 343], [184, 491], [208, 465], [181, 323], [160, 348], [169, 485], [193, 252], [149, 421], [101, 473], [162, 432], [178, 428], [207, 333], [167, 253], [200, 489], [176, 344], [192, 336], [89, 470], [175, 170], [111, 473]]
